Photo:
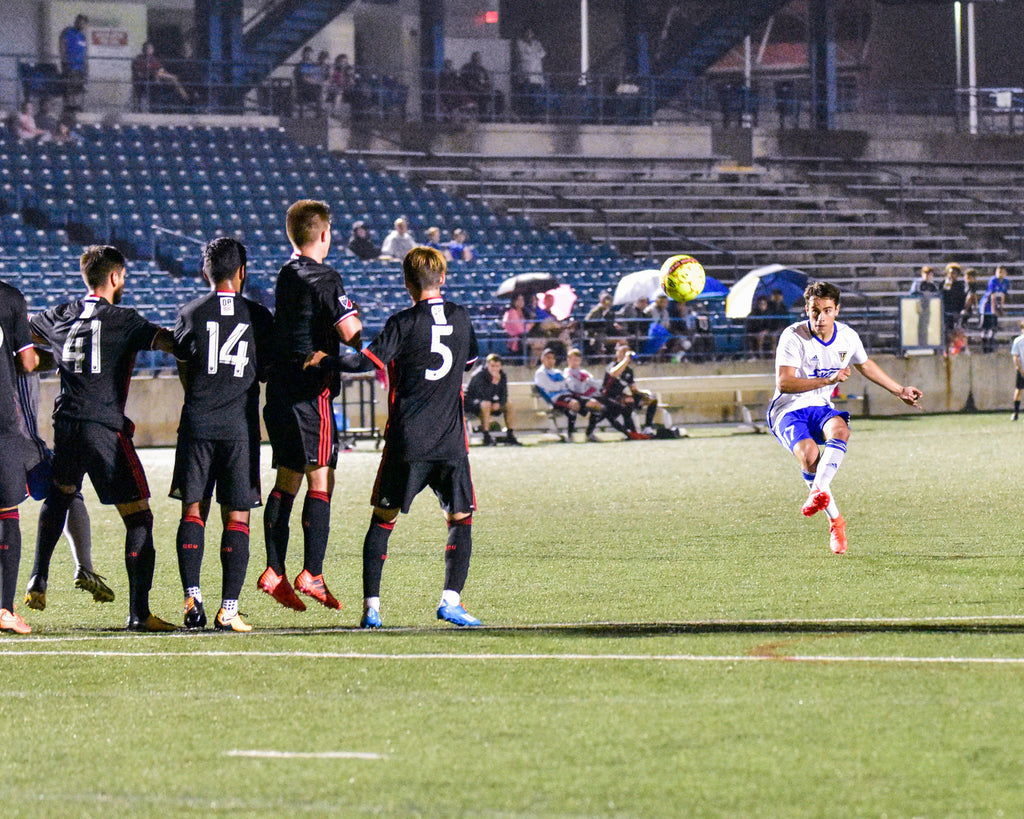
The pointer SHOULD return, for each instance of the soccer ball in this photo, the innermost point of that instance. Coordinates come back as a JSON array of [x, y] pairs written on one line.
[[682, 278]]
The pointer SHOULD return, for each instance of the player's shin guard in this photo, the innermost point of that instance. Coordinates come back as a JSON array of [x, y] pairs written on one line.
[[234, 558], [457, 552], [375, 552], [191, 542], [139, 560], [316, 529], [276, 517], [10, 556], [832, 455], [52, 515], [78, 531]]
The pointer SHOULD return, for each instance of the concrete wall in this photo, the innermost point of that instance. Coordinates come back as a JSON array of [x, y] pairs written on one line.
[[154, 404]]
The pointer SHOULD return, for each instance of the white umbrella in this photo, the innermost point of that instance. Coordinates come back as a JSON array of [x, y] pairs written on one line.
[[634, 285]]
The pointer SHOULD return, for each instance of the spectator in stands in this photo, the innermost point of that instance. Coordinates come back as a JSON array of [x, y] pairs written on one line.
[[458, 248], [360, 243], [74, 64], [398, 242], [758, 328], [971, 289], [432, 238], [150, 79], [486, 396], [780, 312], [548, 329], [476, 81], [516, 327], [660, 329], [954, 299], [340, 85], [530, 82], [600, 324], [308, 80], [456, 104], [925, 284], [634, 319], [24, 124], [992, 305]]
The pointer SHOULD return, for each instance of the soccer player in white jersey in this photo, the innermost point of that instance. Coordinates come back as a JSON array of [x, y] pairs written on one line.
[[812, 357]]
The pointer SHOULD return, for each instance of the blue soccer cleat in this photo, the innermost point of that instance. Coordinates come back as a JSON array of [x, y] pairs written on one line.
[[456, 615], [371, 619]]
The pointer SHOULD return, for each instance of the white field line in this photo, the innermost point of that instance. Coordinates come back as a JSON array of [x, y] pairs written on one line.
[[258, 754], [484, 657]]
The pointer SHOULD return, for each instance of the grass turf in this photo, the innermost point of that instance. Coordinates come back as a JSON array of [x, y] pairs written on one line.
[[628, 667]]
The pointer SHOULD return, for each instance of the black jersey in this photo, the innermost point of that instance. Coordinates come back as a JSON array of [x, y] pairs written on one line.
[[224, 339], [310, 301], [615, 386], [426, 350], [15, 336], [482, 388], [94, 344]]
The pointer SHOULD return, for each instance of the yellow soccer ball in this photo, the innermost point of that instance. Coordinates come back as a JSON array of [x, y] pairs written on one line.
[[682, 278]]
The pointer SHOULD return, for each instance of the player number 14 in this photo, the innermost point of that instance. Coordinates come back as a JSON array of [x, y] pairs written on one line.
[[218, 353]]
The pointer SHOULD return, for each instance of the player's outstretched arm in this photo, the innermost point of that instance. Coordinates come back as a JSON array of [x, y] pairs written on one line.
[[788, 381], [908, 395], [350, 330], [164, 341], [345, 363]]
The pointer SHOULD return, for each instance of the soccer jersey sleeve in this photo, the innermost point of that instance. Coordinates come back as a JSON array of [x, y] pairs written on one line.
[[336, 301], [184, 338], [263, 335], [19, 325], [139, 331], [790, 351], [384, 347]]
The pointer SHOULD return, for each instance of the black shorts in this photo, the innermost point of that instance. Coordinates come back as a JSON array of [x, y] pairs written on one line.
[[472, 406], [989, 321], [232, 466], [107, 456], [1020, 381], [399, 481], [302, 433], [19, 456]]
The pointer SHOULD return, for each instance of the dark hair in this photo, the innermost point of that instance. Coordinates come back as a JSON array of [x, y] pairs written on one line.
[[98, 262], [306, 220], [222, 257], [423, 267], [821, 290]]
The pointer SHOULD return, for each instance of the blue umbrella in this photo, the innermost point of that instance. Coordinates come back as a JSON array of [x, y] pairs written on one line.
[[761, 282]]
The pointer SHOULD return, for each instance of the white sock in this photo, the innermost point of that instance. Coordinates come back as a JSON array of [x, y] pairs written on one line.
[[78, 531], [831, 459], [371, 603], [230, 608], [832, 510], [450, 598], [193, 591]]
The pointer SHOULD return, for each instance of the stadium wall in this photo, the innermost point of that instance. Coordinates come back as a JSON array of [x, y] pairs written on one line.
[[984, 382]]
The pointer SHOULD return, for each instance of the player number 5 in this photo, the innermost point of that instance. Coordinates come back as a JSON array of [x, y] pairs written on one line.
[[437, 345]]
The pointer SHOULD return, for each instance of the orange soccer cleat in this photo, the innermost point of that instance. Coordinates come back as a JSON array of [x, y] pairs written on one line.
[[316, 588], [837, 535], [816, 501], [12, 621], [278, 587]]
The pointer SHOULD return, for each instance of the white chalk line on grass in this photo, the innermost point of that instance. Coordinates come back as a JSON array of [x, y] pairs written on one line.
[[260, 754], [484, 657]]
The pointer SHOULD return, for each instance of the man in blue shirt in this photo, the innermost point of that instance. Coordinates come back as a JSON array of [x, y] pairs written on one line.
[[73, 65], [992, 304]]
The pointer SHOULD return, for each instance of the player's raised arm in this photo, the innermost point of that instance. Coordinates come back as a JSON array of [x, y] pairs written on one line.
[[907, 394]]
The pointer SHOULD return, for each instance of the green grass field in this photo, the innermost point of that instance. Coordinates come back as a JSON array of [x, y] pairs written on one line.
[[665, 635]]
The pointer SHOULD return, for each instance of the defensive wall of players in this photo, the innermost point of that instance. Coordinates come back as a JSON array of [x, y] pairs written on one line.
[[694, 393]]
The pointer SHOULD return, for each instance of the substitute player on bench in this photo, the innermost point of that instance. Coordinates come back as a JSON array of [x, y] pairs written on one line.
[[222, 342], [812, 357], [426, 349], [94, 342]]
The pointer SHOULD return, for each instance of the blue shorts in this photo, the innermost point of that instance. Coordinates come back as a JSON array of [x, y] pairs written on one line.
[[808, 422]]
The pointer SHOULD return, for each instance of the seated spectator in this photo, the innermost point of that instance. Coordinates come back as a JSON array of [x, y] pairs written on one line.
[[660, 329], [308, 79], [24, 124], [340, 85], [621, 393], [433, 239], [587, 391], [758, 329], [780, 313], [600, 324], [476, 81], [515, 325], [360, 243], [456, 104], [925, 284], [59, 128], [553, 387], [486, 396], [458, 248], [151, 81], [398, 242], [635, 321]]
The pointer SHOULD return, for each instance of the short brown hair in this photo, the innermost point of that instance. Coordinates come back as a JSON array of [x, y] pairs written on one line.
[[306, 220], [821, 290], [423, 267], [98, 262]]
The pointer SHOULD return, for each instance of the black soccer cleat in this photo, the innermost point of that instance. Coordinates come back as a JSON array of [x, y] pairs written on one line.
[[195, 615]]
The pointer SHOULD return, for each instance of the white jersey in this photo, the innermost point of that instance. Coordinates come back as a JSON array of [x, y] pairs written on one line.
[[581, 382], [812, 358]]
